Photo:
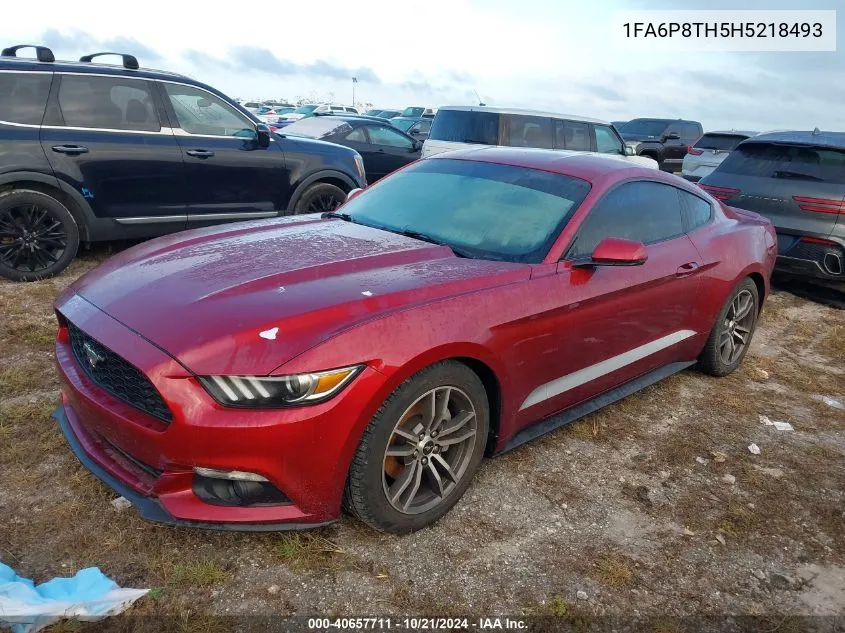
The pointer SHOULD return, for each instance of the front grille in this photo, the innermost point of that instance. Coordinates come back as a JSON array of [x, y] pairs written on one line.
[[116, 375]]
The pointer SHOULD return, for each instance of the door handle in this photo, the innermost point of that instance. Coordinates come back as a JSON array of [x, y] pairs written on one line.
[[380, 151], [71, 150], [200, 153], [687, 269]]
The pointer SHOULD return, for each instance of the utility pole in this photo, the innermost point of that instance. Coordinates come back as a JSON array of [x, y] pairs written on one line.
[[354, 81]]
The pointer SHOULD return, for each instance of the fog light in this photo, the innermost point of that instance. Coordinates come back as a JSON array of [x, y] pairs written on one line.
[[235, 488]]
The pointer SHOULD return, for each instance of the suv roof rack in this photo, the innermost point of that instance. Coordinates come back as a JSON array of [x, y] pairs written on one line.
[[42, 53], [129, 61]]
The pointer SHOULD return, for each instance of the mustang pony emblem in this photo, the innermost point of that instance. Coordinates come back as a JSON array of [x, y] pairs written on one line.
[[93, 356]]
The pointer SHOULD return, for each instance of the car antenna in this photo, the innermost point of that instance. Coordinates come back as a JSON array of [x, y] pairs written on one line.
[[480, 102], [816, 131]]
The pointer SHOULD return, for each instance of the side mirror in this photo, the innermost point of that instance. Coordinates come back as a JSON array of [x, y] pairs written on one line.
[[353, 194], [629, 151], [673, 136], [262, 135], [616, 251], [417, 146]]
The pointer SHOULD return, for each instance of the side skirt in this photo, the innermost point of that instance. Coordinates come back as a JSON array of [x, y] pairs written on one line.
[[585, 408]]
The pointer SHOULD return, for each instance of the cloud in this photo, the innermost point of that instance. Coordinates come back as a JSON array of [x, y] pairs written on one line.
[[81, 42], [603, 92]]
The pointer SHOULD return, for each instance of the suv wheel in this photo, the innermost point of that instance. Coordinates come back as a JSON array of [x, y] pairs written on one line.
[[320, 198], [38, 235]]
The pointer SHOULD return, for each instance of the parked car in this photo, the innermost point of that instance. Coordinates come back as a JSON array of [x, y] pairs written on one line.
[[664, 140], [373, 112], [457, 127], [417, 128], [262, 375], [797, 180], [383, 148], [300, 113], [272, 115], [251, 106], [418, 112], [389, 114], [107, 152], [710, 150], [618, 124]]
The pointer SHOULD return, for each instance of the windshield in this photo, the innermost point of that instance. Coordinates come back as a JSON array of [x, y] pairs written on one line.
[[483, 210], [316, 127], [644, 127], [413, 111], [372, 112], [306, 109], [724, 142], [387, 114], [403, 124]]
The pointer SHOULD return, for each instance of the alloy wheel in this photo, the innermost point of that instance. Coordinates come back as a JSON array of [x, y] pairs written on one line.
[[31, 238], [736, 328], [323, 203], [429, 450]]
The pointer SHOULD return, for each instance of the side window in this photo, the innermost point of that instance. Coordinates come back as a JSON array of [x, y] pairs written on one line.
[[529, 131], [675, 128], [358, 135], [572, 135], [24, 97], [380, 135], [112, 103], [200, 112], [644, 211], [697, 211], [423, 127], [607, 142], [690, 132]]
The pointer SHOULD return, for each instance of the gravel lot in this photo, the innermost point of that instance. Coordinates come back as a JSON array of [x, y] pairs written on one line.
[[652, 507]]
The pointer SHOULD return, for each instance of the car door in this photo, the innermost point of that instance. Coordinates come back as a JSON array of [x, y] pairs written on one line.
[[358, 139], [104, 135], [229, 175], [391, 149], [674, 149], [615, 323], [420, 129], [608, 141], [572, 135]]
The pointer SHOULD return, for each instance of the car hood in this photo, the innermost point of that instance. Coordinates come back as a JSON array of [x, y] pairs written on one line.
[[246, 298]]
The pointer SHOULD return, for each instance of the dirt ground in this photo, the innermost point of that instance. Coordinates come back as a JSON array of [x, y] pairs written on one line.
[[654, 506]]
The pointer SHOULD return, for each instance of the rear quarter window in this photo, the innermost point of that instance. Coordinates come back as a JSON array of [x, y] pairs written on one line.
[[463, 126], [798, 162], [23, 97]]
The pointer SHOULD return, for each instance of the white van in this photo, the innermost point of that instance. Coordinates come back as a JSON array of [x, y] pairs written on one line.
[[459, 127]]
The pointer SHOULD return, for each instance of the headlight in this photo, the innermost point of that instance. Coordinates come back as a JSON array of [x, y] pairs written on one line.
[[278, 391], [359, 165]]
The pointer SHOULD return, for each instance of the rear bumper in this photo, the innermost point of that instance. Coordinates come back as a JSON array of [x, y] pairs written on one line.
[[811, 256]]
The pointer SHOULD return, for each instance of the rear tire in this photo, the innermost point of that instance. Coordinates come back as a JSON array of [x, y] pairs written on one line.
[[430, 433], [320, 197], [731, 335], [38, 235]]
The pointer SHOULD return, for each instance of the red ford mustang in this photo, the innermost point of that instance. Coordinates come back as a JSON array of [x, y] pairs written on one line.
[[262, 375]]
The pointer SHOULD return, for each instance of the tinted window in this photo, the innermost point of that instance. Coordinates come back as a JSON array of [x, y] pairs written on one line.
[[645, 127], [675, 128], [402, 124], [798, 162], [644, 211], [690, 131], [696, 210], [24, 97], [107, 102], [200, 112], [358, 135], [412, 111], [383, 135], [528, 131], [316, 127], [572, 135], [607, 142], [463, 126], [424, 127], [725, 142], [486, 210]]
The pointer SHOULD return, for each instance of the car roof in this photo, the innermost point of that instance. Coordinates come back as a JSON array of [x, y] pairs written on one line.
[[584, 165], [521, 112], [351, 117], [799, 137], [24, 63], [734, 132], [664, 120]]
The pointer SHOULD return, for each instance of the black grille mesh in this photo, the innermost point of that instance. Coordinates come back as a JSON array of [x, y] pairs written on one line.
[[117, 376]]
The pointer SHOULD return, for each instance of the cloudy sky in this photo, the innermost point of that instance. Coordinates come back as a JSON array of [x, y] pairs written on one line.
[[546, 54]]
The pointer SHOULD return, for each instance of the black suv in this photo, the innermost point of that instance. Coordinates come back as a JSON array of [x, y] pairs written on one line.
[[92, 152], [664, 140], [797, 180]]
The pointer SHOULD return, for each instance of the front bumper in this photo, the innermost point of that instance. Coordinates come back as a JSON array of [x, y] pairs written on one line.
[[303, 451]]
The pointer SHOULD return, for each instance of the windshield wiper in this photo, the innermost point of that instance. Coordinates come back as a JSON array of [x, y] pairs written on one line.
[[785, 173], [431, 240], [334, 214]]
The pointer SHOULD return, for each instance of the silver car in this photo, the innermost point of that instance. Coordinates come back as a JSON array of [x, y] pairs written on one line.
[[710, 150]]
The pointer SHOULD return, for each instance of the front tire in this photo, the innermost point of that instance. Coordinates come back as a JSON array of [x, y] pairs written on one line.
[[731, 335], [321, 197], [420, 451], [38, 235]]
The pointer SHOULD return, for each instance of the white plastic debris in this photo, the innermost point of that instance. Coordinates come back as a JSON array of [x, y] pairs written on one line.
[[270, 334], [721, 539], [89, 596], [830, 402], [729, 479], [367, 293], [582, 595], [780, 426], [702, 461], [121, 503], [754, 449]]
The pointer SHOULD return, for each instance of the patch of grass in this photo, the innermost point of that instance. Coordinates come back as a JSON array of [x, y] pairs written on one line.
[[19, 378], [190, 622], [557, 607], [199, 574], [33, 333], [17, 415], [832, 343], [615, 571], [738, 521], [305, 549]]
